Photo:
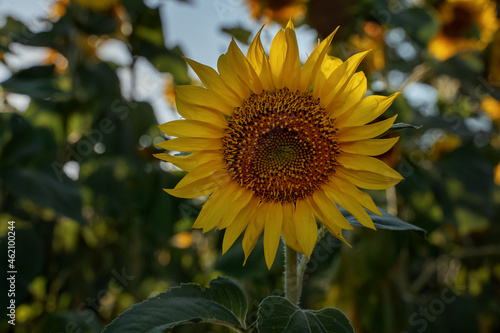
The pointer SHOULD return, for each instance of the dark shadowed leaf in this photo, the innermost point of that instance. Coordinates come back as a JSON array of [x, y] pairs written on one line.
[[44, 188], [398, 127], [239, 33], [277, 315], [224, 302], [29, 257], [386, 221]]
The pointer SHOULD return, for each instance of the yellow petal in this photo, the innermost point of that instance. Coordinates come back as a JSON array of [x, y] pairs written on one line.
[[243, 68], [191, 128], [213, 82], [216, 206], [191, 144], [352, 95], [231, 79], [272, 232], [254, 229], [363, 198], [305, 226], [201, 181], [313, 63], [331, 72], [350, 204], [326, 210], [367, 179], [346, 134], [331, 226], [277, 56], [291, 67], [367, 163], [339, 79], [200, 113], [238, 202], [337, 232], [369, 109], [201, 96], [288, 228], [191, 161], [260, 63], [234, 230], [371, 147]]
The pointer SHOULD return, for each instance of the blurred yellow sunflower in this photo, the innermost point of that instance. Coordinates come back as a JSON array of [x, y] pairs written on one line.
[[466, 25], [279, 11], [371, 39], [492, 107], [494, 63], [277, 144], [496, 172]]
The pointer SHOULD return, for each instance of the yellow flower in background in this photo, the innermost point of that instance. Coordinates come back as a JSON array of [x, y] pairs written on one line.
[[497, 174], [277, 10], [466, 25], [98, 5], [372, 39], [277, 144], [58, 9], [170, 90], [444, 145], [492, 107], [58, 60], [494, 63]]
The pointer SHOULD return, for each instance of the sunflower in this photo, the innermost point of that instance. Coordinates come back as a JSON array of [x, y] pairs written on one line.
[[278, 11], [466, 25], [497, 174], [278, 145], [372, 39], [491, 106]]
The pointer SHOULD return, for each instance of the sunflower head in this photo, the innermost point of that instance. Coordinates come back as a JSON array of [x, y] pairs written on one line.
[[278, 145], [466, 25]]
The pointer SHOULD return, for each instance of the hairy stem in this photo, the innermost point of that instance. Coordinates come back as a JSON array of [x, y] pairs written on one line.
[[291, 279]]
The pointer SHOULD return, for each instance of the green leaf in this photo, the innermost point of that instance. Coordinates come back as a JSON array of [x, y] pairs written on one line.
[[239, 33], [36, 82], [29, 255], [30, 168], [224, 303], [44, 188], [82, 320], [398, 127], [15, 31], [277, 315], [386, 221], [420, 23], [170, 61]]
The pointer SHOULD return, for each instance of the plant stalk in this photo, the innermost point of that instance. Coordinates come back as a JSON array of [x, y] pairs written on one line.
[[291, 278]]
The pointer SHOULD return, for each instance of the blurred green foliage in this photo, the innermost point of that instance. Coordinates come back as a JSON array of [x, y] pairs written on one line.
[[91, 246]]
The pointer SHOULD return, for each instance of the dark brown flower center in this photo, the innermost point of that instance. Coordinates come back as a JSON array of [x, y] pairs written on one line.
[[462, 24], [281, 145]]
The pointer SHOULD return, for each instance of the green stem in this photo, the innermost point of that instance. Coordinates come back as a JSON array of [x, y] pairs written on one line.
[[301, 268], [291, 278]]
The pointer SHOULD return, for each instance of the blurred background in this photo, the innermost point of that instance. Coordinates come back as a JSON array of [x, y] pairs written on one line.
[[84, 83]]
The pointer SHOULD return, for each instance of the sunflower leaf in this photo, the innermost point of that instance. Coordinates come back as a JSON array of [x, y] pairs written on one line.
[[239, 33], [398, 127], [224, 302], [278, 315], [386, 221]]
